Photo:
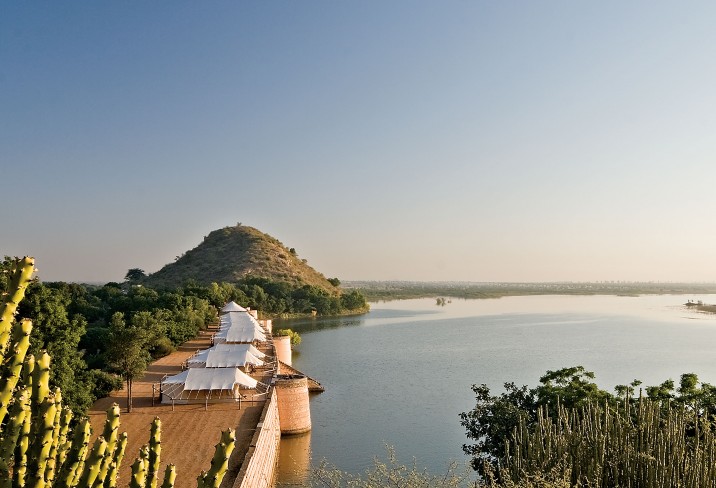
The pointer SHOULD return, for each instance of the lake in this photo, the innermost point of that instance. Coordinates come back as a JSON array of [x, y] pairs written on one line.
[[401, 374]]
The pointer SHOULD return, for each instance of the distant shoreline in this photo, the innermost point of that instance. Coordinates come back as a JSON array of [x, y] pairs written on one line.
[[375, 291]]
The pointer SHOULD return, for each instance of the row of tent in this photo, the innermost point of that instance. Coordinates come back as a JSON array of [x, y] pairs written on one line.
[[216, 373]]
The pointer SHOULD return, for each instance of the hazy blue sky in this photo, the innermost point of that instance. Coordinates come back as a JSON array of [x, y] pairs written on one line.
[[419, 140]]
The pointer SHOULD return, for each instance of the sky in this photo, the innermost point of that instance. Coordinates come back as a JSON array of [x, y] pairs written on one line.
[[403, 140]]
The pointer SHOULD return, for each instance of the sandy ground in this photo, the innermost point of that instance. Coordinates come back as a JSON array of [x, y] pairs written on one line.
[[189, 432]]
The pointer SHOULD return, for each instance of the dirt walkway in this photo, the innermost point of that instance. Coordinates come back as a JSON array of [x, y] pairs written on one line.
[[189, 432]]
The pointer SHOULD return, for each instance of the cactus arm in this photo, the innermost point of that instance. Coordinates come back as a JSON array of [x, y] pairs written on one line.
[[93, 462], [21, 275], [51, 463], [23, 443], [63, 444], [42, 441], [111, 429], [220, 462], [16, 420], [170, 475], [41, 378], [139, 469], [13, 363], [27, 370], [155, 449], [75, 456], [110, 480]]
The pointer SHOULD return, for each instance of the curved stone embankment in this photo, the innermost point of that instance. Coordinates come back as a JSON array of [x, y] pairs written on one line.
[[259, 466]]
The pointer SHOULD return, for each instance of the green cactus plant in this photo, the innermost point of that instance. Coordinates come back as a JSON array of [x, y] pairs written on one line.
[[21, 275], [139, 469], [41, 446], [110, 481], [110, 433], [155, 450], [170, 475], [73, 465], [220, 461], [60, 446], [13, 364]]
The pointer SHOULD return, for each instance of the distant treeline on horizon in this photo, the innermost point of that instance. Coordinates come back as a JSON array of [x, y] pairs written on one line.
[[395, 290]]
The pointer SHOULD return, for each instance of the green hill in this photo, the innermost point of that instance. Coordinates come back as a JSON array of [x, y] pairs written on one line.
[[233, 253]]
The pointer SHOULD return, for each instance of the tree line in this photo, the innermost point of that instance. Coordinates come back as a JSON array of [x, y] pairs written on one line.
[[101, 335]]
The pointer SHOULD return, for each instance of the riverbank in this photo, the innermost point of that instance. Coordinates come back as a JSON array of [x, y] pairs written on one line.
[[377, 291], [286, 316]]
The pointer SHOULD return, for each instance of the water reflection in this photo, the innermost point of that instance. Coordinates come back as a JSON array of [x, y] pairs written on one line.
[[294, 460], [376, 316], [402, 373]]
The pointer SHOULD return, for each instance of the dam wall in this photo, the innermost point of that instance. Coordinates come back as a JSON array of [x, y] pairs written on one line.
[[259, 467]]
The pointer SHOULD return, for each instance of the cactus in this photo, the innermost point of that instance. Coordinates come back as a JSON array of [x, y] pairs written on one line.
[[41, 379], [155, 450], [139, 469], [110, 433], [42, 440], [23, 443], [13, 364], [220, 462], [72, 467], [59, 452], [19, 410], [110, 481], [21, 271], [93, 464], [170, 475]]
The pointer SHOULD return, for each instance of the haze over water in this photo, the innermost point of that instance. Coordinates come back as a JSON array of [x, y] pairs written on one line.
[[401, 374]]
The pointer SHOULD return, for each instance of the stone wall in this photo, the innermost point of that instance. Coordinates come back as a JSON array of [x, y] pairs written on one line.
[[259, 466]]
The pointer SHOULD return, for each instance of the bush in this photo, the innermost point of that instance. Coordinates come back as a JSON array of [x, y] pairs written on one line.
[[295, 337], [161, 347]]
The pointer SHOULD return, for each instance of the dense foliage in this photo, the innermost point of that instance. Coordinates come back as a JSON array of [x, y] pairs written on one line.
[[495, 419], [90, 331], [277, 298]]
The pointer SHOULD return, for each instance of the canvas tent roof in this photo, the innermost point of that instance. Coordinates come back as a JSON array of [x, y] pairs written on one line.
[[211, 379], [212, 358], [238, 318], [233, 307], [224, 359], [239, 334], [200, 356], [239, 347]]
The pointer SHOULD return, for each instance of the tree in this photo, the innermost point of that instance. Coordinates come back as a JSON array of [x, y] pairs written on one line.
[[134, 275], [127, 352], [494, 418], [334, 281]]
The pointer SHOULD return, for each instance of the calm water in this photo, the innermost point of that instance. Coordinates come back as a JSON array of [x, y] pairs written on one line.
[[401, 374]]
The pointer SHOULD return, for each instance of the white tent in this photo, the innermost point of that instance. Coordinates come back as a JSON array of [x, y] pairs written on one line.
[[240, 347], [239, 318], [233, 307], [239, 335], [201, 383], [213, 358]]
